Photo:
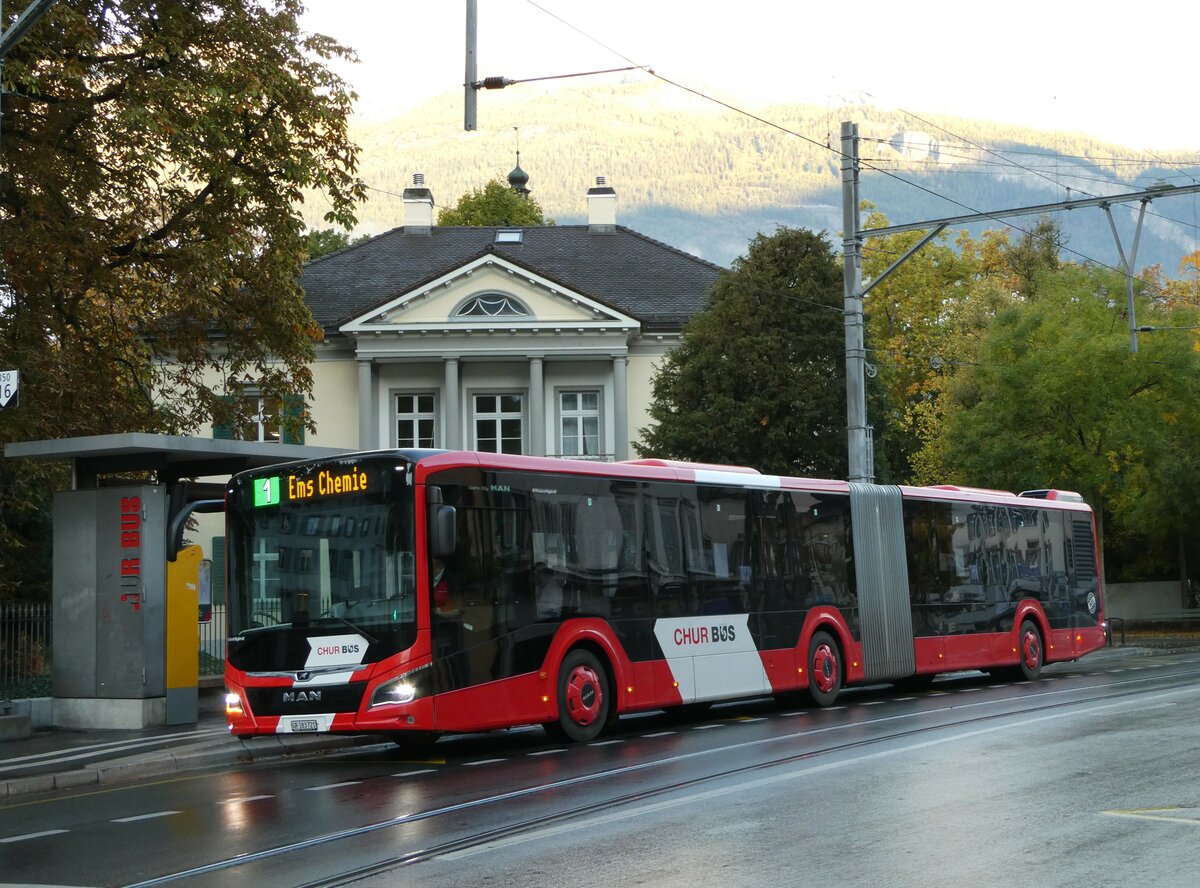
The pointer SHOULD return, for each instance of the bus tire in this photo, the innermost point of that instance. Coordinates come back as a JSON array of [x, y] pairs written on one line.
[[584, 698], [824, 669], [1030, 650]]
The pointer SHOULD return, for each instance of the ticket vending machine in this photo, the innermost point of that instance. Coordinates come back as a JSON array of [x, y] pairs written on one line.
[[185, 578]]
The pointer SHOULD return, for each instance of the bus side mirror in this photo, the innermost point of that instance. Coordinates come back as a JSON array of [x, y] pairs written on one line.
[[443, 533]]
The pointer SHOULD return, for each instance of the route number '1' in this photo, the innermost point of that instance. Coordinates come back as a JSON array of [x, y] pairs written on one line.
[[266, 492], [10, 384]]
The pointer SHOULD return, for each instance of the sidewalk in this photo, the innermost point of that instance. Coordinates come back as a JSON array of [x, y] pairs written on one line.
[[57, 758]]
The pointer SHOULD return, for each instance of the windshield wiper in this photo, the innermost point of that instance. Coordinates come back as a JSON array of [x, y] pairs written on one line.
[[361, 631], [255, 630]]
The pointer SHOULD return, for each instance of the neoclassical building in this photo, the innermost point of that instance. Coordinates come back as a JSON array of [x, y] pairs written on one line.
[[541, 341]]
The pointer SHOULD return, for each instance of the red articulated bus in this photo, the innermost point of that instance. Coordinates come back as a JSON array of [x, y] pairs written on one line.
[[419, 592]]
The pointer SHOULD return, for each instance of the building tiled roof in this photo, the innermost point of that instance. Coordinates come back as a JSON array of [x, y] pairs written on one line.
[[657, 284]]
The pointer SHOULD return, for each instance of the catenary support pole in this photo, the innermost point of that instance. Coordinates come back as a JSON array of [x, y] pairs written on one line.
[[472, 75], [856, 393]]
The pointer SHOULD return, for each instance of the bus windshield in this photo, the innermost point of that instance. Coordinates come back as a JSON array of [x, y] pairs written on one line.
[[319, 551]]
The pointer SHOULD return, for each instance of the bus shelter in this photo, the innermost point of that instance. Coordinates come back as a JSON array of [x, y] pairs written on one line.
[[126, 592]]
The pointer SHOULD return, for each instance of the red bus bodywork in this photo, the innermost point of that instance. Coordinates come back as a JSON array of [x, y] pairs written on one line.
[[636, 684]]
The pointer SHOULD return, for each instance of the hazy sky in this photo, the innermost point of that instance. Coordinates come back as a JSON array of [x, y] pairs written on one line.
[[1122, 73]]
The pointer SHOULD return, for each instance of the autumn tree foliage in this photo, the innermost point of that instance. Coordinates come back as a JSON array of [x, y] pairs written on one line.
[[154, 158], [323, 241], [759, 377], [1051, 395]]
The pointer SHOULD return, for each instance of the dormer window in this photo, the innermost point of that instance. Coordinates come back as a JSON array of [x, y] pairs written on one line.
[[510, 236], [492, 305]]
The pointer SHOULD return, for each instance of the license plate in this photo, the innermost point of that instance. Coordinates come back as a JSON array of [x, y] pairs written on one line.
[[300, 725]]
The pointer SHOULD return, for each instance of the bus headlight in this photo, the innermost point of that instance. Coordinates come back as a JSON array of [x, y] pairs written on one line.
[[233, 705], [403, 689]]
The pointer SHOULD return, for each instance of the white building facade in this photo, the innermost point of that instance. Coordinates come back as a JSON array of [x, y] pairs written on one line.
[[540, 341]]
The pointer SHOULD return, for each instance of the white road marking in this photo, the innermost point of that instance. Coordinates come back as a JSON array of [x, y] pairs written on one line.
[[247, 799], [28, 836], [332, 786], [145, 817], [546, 752], [415, 773], [482, 762]]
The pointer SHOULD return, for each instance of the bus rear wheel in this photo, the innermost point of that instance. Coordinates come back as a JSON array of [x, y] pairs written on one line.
[[584, 701], [824, 669]]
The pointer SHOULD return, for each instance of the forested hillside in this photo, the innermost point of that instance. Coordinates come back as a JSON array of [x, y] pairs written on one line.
[[706, 179]]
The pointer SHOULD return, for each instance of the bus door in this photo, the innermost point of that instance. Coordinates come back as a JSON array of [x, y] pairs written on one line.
[[711, 652]]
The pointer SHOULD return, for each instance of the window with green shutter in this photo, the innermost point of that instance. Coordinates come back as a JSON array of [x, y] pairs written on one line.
[[263, 419]]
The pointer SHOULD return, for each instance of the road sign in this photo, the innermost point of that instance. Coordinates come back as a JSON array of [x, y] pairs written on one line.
[[10, 382]]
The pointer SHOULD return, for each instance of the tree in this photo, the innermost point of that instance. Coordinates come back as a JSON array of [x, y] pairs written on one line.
[[323, 241], [923, 320], [155, 153], [494, 204], [758, 378], [1054, 398], [912, 319]]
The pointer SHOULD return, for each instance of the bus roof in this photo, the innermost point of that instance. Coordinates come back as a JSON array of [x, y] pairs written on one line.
[[427, 462]]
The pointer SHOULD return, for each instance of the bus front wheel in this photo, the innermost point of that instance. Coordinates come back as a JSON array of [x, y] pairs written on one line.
[[584, 701], [1030, 650], [824, 669]]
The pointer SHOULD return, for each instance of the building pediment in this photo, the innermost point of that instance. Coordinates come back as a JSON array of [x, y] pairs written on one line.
[[487, 293]]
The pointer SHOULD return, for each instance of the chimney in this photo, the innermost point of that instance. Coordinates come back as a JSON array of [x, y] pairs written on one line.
[[418, 207], [602, 208]]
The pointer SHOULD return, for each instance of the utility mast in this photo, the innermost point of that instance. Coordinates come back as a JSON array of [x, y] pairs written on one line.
[[857, 434], [472, 74]]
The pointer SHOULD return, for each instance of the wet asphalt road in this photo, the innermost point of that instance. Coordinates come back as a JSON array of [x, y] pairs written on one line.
[[1090, 776]]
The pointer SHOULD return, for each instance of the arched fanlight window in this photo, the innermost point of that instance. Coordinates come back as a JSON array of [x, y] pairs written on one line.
[[491, 305]]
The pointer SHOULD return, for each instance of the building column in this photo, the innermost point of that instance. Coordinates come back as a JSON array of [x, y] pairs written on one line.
[[537, 408], [367, 436], [452, 407], [620, 408]]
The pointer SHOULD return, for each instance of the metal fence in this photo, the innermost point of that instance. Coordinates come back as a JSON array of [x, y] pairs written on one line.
[[212, 643], [24, 650]]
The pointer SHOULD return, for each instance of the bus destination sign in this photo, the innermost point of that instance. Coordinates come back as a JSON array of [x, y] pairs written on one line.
[[274, 490]]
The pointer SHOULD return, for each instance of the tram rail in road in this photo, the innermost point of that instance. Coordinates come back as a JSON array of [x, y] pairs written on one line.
[[897, 733]]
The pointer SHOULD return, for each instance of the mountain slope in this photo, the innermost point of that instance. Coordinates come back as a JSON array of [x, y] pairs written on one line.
[[706, 179]]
